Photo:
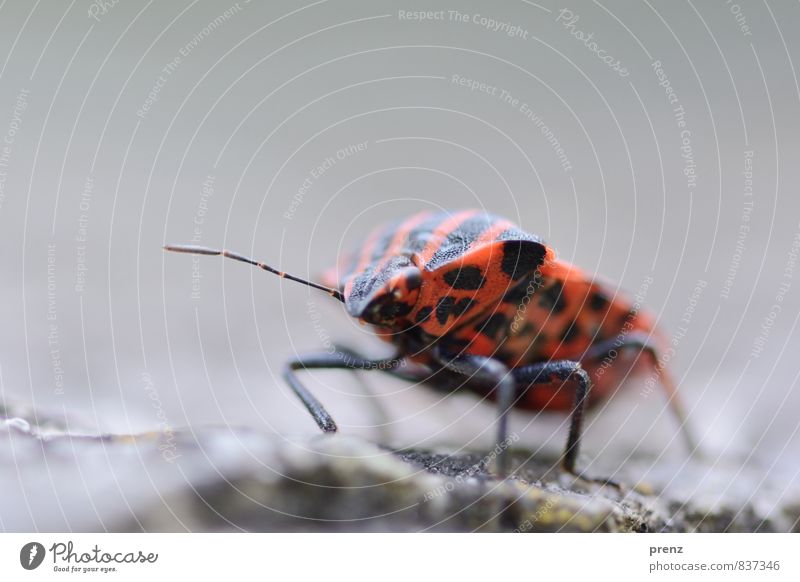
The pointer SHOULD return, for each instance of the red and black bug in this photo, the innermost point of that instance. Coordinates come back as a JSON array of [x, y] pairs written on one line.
[[473, 302]]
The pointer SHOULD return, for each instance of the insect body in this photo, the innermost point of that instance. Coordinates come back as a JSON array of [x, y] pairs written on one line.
[[475, 303]]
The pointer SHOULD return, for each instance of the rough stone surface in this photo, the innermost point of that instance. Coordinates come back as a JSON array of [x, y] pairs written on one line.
[[220, 478]]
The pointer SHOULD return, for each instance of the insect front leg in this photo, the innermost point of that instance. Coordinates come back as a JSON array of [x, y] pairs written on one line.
[[336, 360], [563, 371], [490, 372]]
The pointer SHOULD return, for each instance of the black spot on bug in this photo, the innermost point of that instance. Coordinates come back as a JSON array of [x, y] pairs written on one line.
[[493, 325], [424, 313], [463, 306], [527, 329], [469, 278], [528, 287], [444, 308], [516, 294], [570, 333], [552, 298], [448, 306], [598, 301], [521, 257]]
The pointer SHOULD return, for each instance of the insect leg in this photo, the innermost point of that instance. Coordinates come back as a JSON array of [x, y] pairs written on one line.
[[490, 372], [561, 370], [325, 360], [642, 342]]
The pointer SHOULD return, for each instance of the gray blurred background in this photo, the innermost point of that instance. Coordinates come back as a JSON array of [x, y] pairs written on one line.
[[129, 125]]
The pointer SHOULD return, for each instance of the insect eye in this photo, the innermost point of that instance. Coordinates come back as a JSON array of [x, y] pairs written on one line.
[[386, 309], [381, 309], [393, 300]]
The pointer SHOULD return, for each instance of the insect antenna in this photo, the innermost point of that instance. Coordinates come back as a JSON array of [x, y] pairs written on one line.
[[197, 250]]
